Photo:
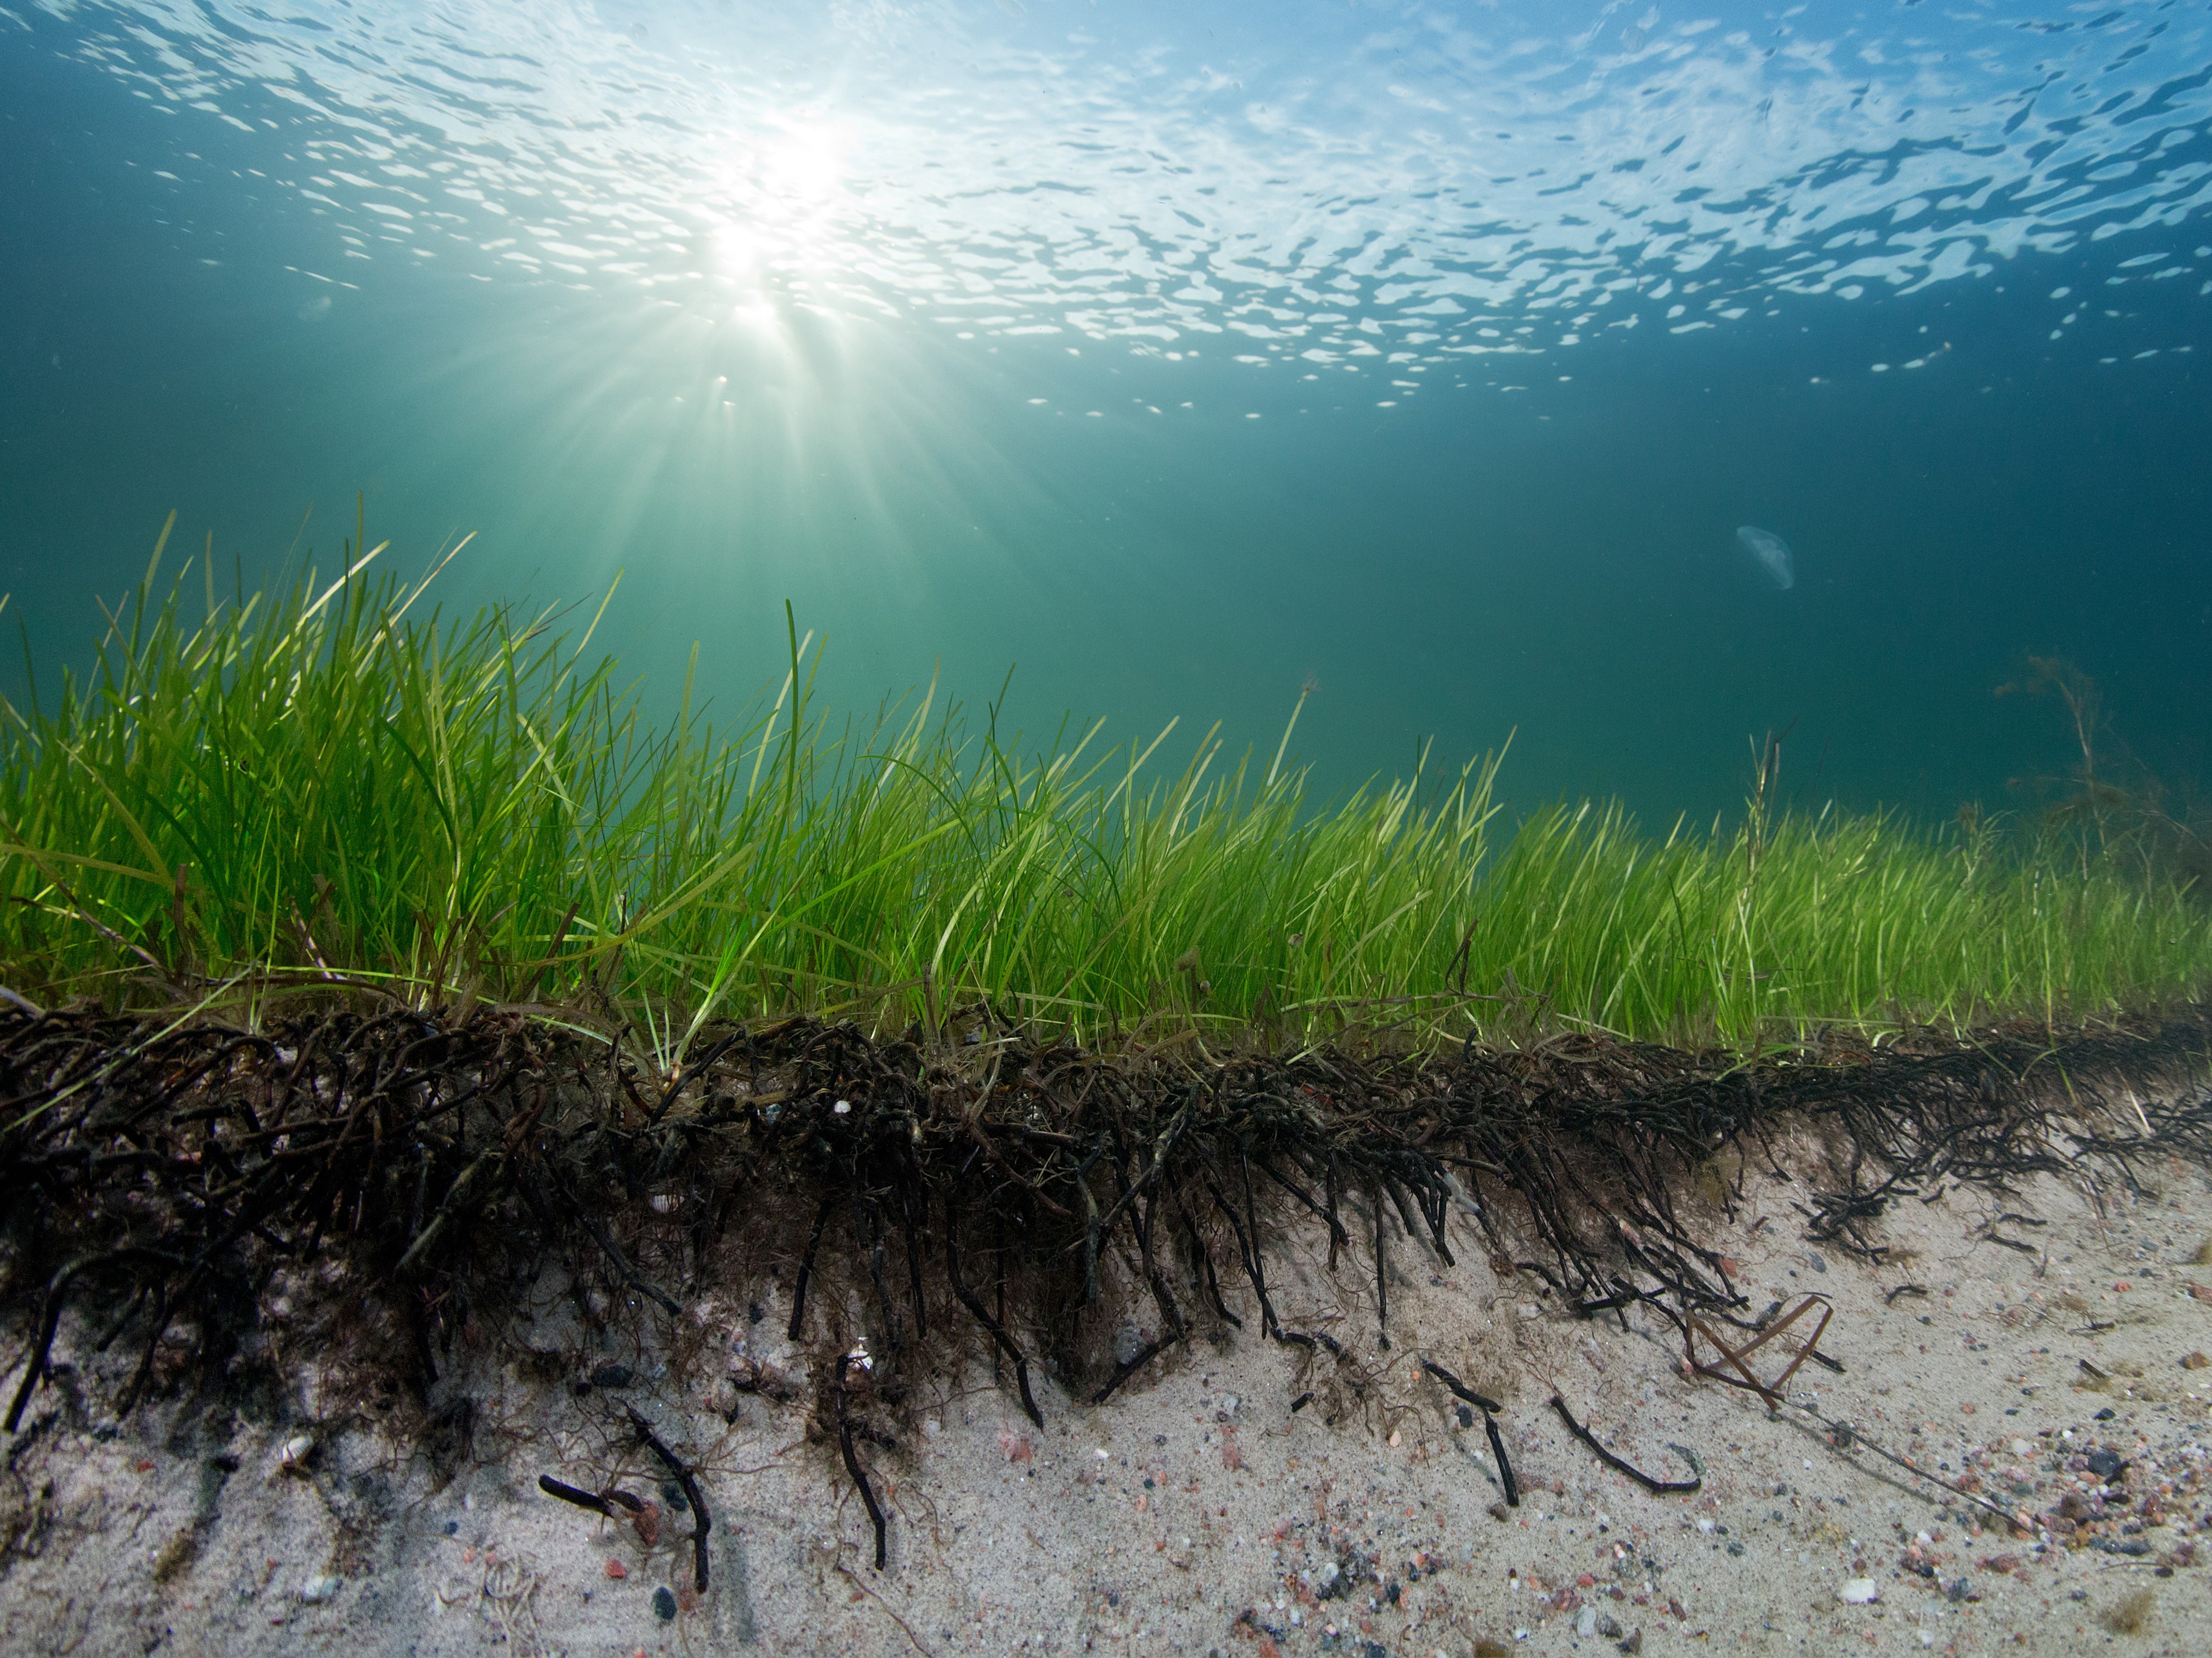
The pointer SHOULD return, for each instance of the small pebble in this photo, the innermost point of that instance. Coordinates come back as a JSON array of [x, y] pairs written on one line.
[[2105, 1465], [674, 1493], [664, 1604], [292, 1456], [453, 1527], [610, 1373], [320, 1588], [1859, 1592]]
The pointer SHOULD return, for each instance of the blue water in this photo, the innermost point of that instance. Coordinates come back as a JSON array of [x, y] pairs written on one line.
[[1174, 354]]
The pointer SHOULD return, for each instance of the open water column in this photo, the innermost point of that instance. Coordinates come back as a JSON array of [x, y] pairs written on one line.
[[1174, 354]]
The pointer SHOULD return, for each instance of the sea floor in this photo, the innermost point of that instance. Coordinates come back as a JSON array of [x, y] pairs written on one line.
[[1239, 1496]]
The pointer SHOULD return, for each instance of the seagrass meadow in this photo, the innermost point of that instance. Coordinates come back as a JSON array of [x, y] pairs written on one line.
[[328, 789], [1395, 1126], [339, 931]]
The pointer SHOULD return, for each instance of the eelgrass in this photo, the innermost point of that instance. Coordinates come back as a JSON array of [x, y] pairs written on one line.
[[250, 825], [331, 788]]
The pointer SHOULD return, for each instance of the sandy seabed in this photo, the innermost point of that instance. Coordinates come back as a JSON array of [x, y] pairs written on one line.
[[1198, 1511]]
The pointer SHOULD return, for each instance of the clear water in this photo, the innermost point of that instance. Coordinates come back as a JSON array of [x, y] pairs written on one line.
[[1176, 354]]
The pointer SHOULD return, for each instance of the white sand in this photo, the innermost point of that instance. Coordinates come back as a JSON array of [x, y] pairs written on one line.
[[1197, 1514]]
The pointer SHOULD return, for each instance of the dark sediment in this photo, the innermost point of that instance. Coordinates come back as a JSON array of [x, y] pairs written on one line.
[[974, 1187]]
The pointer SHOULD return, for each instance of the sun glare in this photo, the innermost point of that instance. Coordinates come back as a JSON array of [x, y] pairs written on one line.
[[775, 203], [804, 169]]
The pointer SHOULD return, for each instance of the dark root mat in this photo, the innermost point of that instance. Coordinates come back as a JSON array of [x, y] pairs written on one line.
[[972, 1188]]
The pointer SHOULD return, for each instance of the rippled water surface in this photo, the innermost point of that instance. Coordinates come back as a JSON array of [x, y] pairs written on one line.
[[1176, 354]]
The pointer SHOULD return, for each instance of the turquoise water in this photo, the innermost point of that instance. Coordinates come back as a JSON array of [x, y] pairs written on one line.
[[1175, 356]]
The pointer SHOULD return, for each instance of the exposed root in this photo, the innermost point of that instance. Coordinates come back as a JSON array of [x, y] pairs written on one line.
[[170, 1173]]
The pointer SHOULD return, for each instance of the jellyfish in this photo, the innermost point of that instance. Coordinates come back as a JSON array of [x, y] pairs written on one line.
[[1772, 552]]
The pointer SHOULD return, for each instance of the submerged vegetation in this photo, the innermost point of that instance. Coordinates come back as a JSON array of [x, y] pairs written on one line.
[[357, 912], [331, 788], [2109, 804]]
